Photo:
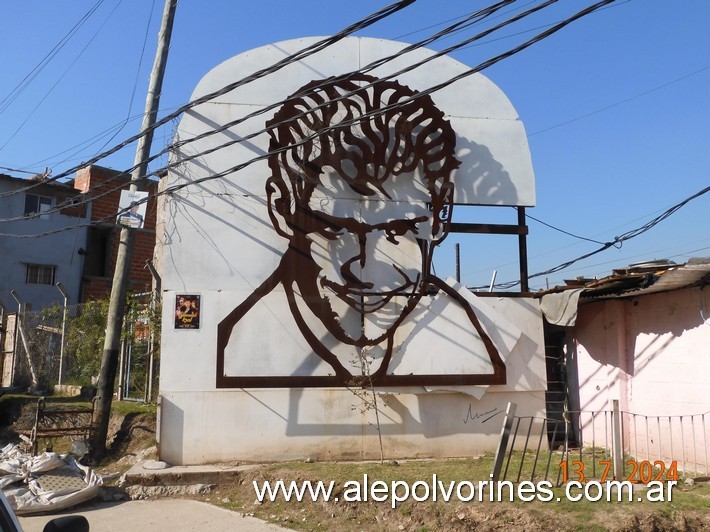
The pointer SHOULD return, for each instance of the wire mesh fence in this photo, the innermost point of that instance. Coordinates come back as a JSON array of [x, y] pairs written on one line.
[[64, 345], [38, 347]]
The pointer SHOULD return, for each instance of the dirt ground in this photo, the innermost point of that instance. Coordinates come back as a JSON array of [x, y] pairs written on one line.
[[132, 438], [240, 496], [440, 516]]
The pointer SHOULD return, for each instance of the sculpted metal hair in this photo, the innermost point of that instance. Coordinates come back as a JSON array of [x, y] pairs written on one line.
[[363, 153], [362, 133]]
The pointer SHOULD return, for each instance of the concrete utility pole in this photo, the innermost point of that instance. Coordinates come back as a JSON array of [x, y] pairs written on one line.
[[117, 304]]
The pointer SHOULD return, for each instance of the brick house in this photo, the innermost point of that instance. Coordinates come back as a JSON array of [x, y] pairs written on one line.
[[105, 187]]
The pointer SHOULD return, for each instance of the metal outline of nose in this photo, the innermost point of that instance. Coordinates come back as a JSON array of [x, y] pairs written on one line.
[[346, 271]]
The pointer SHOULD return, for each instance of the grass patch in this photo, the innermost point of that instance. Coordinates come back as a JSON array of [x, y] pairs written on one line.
[[11, 402], [125, 408], [688, 509]]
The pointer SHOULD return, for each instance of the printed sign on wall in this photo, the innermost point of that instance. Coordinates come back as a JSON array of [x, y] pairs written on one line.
[[131, 208], [187, 311]]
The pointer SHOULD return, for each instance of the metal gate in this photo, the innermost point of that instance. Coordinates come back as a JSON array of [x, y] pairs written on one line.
[[604, 444], [138, 367]]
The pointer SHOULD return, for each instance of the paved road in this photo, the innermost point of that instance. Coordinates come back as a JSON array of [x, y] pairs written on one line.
[[161, 515]]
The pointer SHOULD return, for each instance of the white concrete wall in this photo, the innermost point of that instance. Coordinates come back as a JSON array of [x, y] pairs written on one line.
[[327, 424], [201, 424], [219, 242]]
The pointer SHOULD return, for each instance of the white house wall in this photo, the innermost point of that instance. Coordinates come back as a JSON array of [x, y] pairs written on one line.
[[253, 425], [200, 424], [220, 244]]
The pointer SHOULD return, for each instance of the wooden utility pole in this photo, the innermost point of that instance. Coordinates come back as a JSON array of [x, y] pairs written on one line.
[[117, 304]]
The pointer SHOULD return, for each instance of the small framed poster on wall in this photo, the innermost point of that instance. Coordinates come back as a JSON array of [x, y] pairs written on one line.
[[187, 311]]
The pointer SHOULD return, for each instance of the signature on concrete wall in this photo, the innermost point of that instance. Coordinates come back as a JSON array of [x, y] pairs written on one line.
[[483, 416]]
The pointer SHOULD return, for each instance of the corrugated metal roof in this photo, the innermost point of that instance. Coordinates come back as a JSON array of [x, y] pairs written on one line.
[[644, 278]]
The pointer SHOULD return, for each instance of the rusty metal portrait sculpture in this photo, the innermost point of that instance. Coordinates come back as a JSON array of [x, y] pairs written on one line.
[[361, 190]]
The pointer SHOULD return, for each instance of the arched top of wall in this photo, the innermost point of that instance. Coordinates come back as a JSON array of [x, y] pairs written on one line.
[[491, 143]]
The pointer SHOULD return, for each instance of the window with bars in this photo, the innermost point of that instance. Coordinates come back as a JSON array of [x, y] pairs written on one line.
[[35, 204], [40, 274]]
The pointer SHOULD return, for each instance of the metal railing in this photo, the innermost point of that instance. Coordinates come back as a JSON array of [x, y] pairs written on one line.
[[600, 444]]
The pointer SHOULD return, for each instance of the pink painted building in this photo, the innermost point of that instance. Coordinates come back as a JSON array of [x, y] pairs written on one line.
[[642, 336]]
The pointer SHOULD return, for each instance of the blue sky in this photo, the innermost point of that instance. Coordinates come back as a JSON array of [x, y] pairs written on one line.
[[615, 106]]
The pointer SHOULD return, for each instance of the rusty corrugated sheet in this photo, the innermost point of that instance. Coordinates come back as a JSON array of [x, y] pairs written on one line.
[[644, 278]]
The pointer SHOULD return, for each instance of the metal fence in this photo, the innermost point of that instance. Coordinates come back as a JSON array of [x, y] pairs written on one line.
[[36, 355], [139, 362], [64, 345], [602, 444], [683, 439]]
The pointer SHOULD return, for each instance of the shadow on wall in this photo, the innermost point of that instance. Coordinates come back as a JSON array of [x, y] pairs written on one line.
[[668, 312], [481, 178], [431, 415], [246, 211], [603, 326]]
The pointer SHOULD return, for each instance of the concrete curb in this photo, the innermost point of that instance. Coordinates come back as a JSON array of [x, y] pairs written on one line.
[[139, 475]]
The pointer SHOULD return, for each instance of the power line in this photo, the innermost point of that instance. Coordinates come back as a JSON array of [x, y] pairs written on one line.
[[420, 94], [483, 13], [79, 147], [16, 170], [474, 17], [470, 20], [387, 108], [557, 249], [375, 64], [562, 230], [382, 61], [646, 255], [297, 56], [616, 104], [56, 83], [617, 241], [301, 54], [366, 116], [119, 125], [613, 243], [135, 81], [530, 30], [465, 16], [20, 87]]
